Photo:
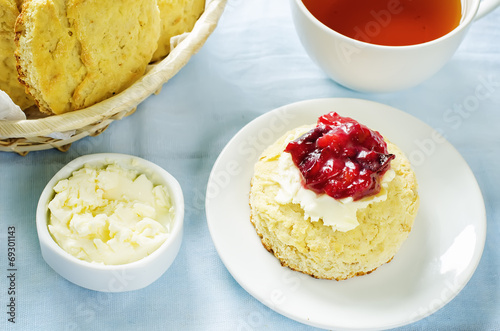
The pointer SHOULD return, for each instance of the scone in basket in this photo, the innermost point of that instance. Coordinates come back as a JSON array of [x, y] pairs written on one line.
[[34, 134]]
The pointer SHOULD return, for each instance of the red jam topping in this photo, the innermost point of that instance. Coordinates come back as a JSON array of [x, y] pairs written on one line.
[[341, 157]]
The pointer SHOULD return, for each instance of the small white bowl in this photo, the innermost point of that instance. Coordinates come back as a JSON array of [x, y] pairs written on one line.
[[112, 278]]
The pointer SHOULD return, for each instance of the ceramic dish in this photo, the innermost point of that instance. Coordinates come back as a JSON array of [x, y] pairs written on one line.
[[112, 278], [433, 265]]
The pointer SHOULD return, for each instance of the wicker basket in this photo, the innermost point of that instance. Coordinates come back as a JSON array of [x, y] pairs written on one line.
[[32, 134]]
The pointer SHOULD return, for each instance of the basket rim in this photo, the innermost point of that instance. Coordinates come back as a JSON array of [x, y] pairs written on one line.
[[157, 74]]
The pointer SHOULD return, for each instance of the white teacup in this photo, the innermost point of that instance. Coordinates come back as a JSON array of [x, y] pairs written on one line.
[[369, 67]]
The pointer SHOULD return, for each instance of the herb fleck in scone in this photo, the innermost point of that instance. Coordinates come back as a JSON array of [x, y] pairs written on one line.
[[317, 249]]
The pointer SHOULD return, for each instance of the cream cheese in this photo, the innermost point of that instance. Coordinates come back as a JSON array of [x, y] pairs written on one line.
[[340, 214], [109, 215]]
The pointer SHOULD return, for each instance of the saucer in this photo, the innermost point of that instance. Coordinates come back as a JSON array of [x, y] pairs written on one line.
[[431, 268]]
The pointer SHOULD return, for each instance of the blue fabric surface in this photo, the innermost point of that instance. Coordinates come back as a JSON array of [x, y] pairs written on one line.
[[251, 64]]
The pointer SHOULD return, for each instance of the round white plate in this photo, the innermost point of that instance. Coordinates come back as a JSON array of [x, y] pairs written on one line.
[[433, 265]]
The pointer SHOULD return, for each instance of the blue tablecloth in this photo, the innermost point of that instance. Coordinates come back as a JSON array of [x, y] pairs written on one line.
[[250, 65]]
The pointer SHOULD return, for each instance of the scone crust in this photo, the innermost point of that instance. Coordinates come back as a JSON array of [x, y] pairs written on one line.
[[176, 17], [9, 82], [72, 54], [317, 250]]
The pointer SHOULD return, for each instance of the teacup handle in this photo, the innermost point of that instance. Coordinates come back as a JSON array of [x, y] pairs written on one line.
[[485, 7]]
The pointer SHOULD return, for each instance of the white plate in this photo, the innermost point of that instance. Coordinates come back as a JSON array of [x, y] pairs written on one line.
[[433, 265]]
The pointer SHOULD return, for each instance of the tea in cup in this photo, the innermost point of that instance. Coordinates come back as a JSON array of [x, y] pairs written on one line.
[[384, 45]]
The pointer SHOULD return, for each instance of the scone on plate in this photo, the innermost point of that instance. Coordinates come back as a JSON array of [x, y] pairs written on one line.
[[177, 17], [8, 72], [338, 203], [73, 54]]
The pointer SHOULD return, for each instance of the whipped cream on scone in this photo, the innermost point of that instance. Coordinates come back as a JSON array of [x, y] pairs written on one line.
[[340, 214]]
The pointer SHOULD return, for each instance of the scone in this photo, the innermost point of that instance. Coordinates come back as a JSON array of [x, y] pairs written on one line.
[[177, 17], [324, 251], [72, 54], [8, 72]]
